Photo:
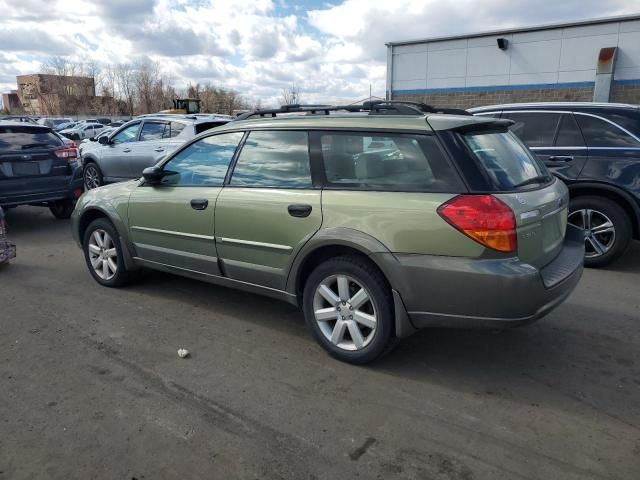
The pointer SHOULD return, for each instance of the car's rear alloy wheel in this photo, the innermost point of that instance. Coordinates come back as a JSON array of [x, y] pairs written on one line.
[[600, 233], [345, 313], [606, 225], [349, 308], [103, 255], [92, 176]]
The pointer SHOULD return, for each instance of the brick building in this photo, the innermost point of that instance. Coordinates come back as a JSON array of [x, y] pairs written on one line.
[[43, 94], [581, 61]]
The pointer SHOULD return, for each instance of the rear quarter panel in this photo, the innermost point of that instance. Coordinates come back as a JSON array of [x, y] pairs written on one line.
[[402, 222]]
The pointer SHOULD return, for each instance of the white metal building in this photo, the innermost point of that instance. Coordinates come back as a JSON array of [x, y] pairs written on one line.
[[558, 61]]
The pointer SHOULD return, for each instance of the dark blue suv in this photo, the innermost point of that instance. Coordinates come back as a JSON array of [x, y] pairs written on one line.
[[595, 149], [37, 167]]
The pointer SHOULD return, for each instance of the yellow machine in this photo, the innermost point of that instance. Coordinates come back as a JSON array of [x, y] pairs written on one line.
[[184, 105]]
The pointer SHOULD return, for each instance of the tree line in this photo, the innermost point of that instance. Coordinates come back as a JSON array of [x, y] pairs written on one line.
[[125, 89]]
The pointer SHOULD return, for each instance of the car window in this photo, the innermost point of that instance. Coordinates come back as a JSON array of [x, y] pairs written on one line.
[[175, 128], [533, 128], [152, 131], [25, 138], [505, 159], [569, 134], [599, 133], [203, 163], [129, 134], [274, 159], [396, 162]]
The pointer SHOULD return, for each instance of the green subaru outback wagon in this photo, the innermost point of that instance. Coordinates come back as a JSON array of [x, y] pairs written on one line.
[[377, 220]]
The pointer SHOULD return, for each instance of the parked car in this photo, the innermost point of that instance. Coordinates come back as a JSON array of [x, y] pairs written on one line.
[[82, 131], [53, 122], [7, 249], [117, 123], [138, 144], [38, 168], [447, 220], [89, 143], [18, 118], [64, 126], [595, 149]]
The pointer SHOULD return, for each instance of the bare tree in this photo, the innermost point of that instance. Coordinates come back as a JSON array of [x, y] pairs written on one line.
[[291, 95]]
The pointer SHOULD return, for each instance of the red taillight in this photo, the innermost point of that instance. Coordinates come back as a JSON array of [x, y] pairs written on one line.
[[484, 218], [67, 153]]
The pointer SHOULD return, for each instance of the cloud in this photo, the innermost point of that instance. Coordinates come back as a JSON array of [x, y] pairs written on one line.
[[331, 50], [29, 40]]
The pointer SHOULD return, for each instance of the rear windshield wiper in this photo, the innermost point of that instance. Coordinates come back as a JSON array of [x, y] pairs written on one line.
[[34, 145], [536, 179]]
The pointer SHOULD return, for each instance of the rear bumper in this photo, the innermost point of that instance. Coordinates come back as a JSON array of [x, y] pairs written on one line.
[[25, 191], [479, 293]]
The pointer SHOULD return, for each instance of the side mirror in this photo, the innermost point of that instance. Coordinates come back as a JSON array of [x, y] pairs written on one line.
[[153, 175], [103, 140]]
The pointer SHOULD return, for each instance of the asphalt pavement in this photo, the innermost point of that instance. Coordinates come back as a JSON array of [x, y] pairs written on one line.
[[91, 385]]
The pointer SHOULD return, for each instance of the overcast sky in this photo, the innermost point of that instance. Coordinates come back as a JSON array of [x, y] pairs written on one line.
[[331, 50]]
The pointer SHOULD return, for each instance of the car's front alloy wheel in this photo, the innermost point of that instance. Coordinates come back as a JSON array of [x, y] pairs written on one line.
[[103, 255]]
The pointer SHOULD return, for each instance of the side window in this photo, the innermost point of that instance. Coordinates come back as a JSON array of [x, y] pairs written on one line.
[[396, 162], [203, 163], [152, 131], [274, 159], [175, 129], [534, 129], [129, 134], [599, 133], [569, 134]]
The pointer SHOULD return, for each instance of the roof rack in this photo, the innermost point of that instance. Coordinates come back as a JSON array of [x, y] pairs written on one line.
[[376, 107]]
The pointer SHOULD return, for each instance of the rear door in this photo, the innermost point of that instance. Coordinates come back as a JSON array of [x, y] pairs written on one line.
[[515, 176], [554, 137], [28, 164], [269, 208]]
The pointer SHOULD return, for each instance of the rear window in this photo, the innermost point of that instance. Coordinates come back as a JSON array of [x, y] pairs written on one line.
[[399, 162], [506, 162], [25, 138]]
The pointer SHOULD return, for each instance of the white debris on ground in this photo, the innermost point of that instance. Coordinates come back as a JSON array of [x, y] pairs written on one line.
[[183, 353]]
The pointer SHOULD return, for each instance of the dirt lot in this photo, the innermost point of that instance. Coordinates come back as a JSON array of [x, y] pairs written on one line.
[[91, 385]]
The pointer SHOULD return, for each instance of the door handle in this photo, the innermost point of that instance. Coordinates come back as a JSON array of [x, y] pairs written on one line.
[[199, 203], [561, 158], [126, 150], [299, 211], [159, 149]]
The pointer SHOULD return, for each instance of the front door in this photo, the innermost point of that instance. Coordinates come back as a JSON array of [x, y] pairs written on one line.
[[172, 223], [116, 155], [269, 209]]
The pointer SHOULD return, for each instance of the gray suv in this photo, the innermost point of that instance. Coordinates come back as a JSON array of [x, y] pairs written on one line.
[[138, 144]]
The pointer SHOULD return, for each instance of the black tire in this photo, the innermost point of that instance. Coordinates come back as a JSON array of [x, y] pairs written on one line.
[[618, 243], [92, 176], [62, 209], [374, 282], [122, 276]]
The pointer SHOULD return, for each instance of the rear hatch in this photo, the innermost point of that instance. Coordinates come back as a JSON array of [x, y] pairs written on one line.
[[30, 160], [496, 162]]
